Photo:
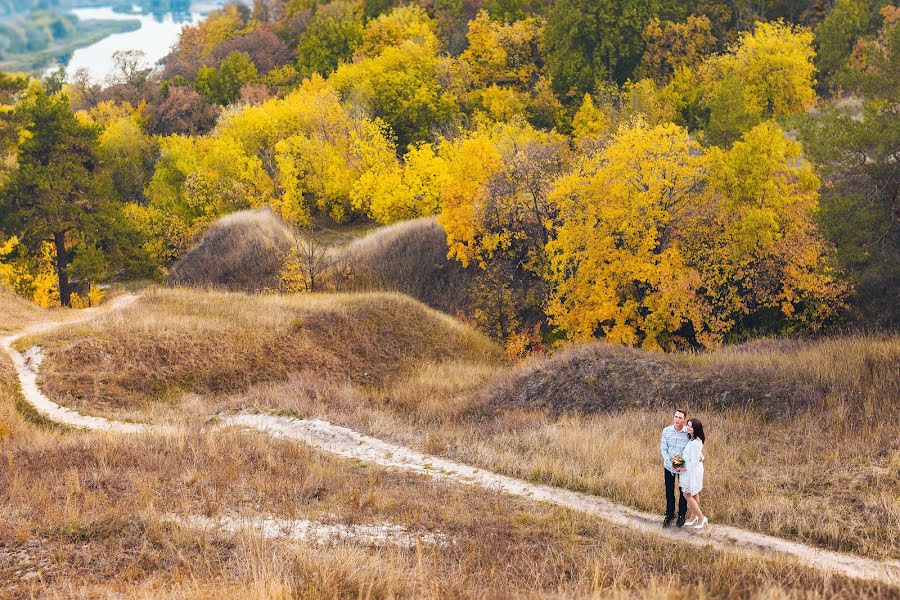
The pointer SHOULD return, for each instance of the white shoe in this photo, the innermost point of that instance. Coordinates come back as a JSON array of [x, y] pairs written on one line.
[[702, 524], [691, 522]]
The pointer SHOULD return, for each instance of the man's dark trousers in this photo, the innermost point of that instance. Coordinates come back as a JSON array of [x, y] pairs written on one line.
[[670, 496]]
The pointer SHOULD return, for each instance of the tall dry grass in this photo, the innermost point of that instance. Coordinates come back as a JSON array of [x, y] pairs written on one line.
[[85, 512], [242, 251], [802, 463], [802, 476], [805, 473]]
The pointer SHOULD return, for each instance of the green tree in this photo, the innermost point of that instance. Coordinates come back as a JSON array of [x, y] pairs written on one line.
[[836, 35], [512, 10], [590, 41], [57, 192], [223, 85], [855, 149], [333, 35]]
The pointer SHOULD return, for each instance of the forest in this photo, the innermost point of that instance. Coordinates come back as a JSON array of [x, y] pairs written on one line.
[[660, 175]]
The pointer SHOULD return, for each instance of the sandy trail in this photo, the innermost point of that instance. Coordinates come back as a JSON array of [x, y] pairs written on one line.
[[379, 535], [348, 443], [27, 364]]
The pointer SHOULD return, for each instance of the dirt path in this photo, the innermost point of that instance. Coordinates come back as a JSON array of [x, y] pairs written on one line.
[[27, 364], [347, 443]]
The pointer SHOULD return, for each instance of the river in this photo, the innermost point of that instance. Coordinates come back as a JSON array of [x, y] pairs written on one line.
[[155, 37]]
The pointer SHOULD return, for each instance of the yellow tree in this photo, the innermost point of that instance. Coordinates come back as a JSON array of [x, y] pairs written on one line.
[[613, 267], [404, 23], [393, 192], [498, 75], [670, 46], [316, 150], [496, 214], [663, 245], [762, 258], [400, 85], [495, 197], [196, 181], [769, 73], [314, 106], [337, 171], [590, 126]]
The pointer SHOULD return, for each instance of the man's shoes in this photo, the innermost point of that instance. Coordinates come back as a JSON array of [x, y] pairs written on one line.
[[680, 521], [667, 521]]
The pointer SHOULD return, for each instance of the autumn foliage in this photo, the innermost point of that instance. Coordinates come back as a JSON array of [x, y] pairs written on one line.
[[607, 169]]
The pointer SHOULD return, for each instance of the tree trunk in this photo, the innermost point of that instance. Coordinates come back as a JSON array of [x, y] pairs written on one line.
[[62, 263]]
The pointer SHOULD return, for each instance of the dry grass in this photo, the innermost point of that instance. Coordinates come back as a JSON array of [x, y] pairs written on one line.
[[81, 518], [16, 312], [175, 341], [805, 472], [832, 459], [83, 513], [408, 257], [243, 251]]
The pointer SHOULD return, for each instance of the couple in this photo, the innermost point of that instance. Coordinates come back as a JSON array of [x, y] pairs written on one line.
[[681, 446]]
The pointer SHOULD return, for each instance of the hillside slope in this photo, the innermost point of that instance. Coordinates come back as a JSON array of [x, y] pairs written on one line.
[[409, 257], [16, 312], [174, 341], [243, 251]]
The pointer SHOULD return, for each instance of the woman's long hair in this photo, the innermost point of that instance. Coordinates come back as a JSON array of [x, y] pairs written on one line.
[[697, 426]]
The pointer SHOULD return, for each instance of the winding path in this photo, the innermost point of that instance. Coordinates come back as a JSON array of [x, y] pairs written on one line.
[[347, 443]]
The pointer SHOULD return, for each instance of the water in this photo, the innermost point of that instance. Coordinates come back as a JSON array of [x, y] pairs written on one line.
[[156, 36]]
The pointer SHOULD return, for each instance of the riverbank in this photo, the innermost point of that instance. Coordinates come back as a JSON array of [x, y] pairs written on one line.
[[86, 33]]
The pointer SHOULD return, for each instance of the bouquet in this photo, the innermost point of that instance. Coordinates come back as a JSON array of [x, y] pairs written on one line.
[[677, 461]]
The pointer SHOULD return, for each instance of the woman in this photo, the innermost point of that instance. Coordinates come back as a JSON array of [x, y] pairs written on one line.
[[692, 473]]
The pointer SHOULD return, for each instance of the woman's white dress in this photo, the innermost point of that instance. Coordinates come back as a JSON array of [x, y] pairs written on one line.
[[692, 478]]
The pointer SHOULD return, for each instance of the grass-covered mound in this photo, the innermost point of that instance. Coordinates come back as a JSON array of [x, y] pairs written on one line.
[[768, 377], [173, 341], [16, 312], [408, 257], [243, 251]]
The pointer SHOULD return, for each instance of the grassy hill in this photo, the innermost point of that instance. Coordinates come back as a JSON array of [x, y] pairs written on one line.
[[408, 257], [176, 341], [782, 417], [243, 251], [246, 251], [771, 378]]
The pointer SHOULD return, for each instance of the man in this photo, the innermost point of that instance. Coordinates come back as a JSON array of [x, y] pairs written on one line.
[[673, 440]]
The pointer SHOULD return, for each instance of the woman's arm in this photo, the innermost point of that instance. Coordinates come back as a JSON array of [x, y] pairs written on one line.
[[692, 455]]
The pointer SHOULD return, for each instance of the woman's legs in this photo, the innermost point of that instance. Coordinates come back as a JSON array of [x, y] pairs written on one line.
[[694, 506], [690, 510]]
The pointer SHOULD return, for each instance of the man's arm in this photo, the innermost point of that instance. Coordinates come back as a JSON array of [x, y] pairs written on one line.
[[664, 448]]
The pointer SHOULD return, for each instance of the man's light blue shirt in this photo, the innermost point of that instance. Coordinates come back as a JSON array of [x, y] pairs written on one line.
[[672, 442]]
